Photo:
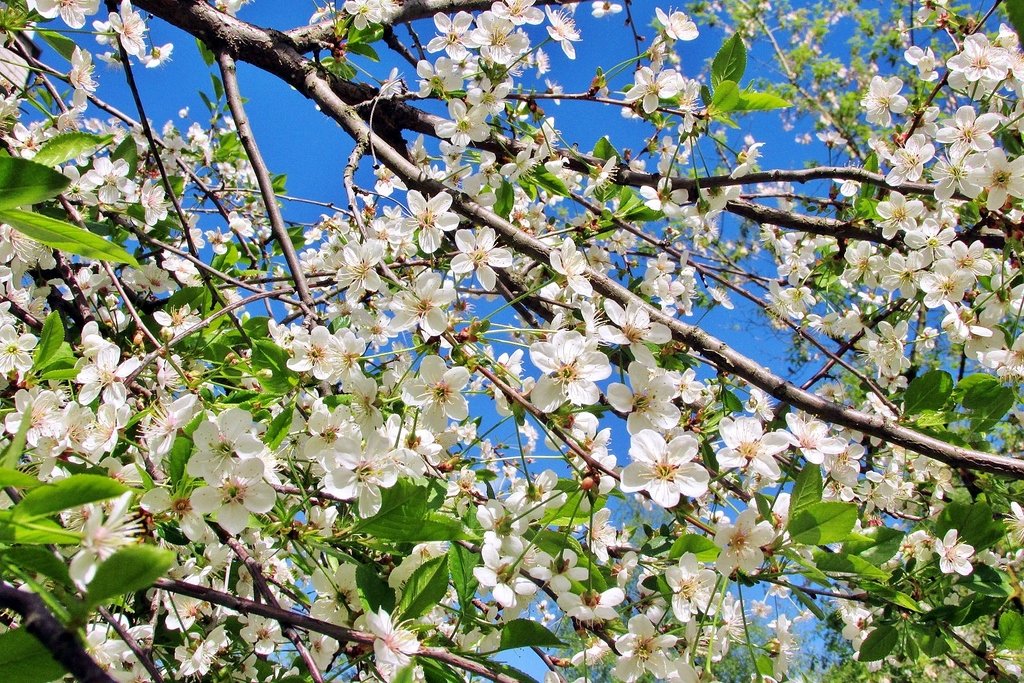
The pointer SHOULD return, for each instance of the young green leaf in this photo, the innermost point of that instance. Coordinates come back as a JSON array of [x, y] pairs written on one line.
[[879, 644], [65, 237], [460, 565], [727, 96], [10, 477], [505, 199], [526, 633], [760, 101], [50, 340], [76, 490], [1011, 631], [807, 489], [26, 660], [822, 523], [128, 570], [703, 548], [373, 591], [16, 447], [730, 62], [69, 146], [425, 588], [24, 182], [928, 392], [60, 43]]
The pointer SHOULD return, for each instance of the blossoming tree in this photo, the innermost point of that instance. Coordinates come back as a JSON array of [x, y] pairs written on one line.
[[398, 441]]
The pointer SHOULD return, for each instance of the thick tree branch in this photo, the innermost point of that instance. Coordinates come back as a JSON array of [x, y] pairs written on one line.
[[339, 633], [37, 619], [300, 73]]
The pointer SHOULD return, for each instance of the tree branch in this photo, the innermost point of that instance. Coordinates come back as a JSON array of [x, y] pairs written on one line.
[[37, 619], [229, 75], [339, 633]]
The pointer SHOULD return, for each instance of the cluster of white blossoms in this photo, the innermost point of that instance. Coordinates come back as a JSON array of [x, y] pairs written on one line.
[[416, 422]]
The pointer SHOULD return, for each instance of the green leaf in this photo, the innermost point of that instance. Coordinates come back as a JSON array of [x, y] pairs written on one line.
[[928, 392], [876, 545], [61, 44], [527, 633], [727, 96], [69, 146], [24, 182], [730, 62], [760, 101], [973, 391], [38, 560], [279, 427], [128, 151], [34, 531], [76, 490], [373, 591], [878, 644], [822, 523], [1015, 13], [1011, 631], [271, 362], [546, 179], [703, 548], [364, 50], [178, 458], [20, 480], [730, 402], [50, 340], [838, 563], [974, 523], [17, 446], [460, 564], [405, 674], [66, 237], [425, 588], [892, 595], [25, 660], [128, 570], [433, 526], [208, 57], [807, 489], [604, 149], [932, 641], [809, 602], [407, 514], [505, 199]]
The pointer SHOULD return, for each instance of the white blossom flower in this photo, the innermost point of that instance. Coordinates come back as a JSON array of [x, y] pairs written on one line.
[[393, 646], [72, 12], [130, 28], [677, 25], [571, 365], [692, 587], [665, 470], [651, 88], [748, 447], [648, 401], [954, 556], [642, 650], [567, 261], [741, 543], [478, 253], [437, 390], [239, 492], [105, 529], [425, 305], [15, 350], [883, 100]]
